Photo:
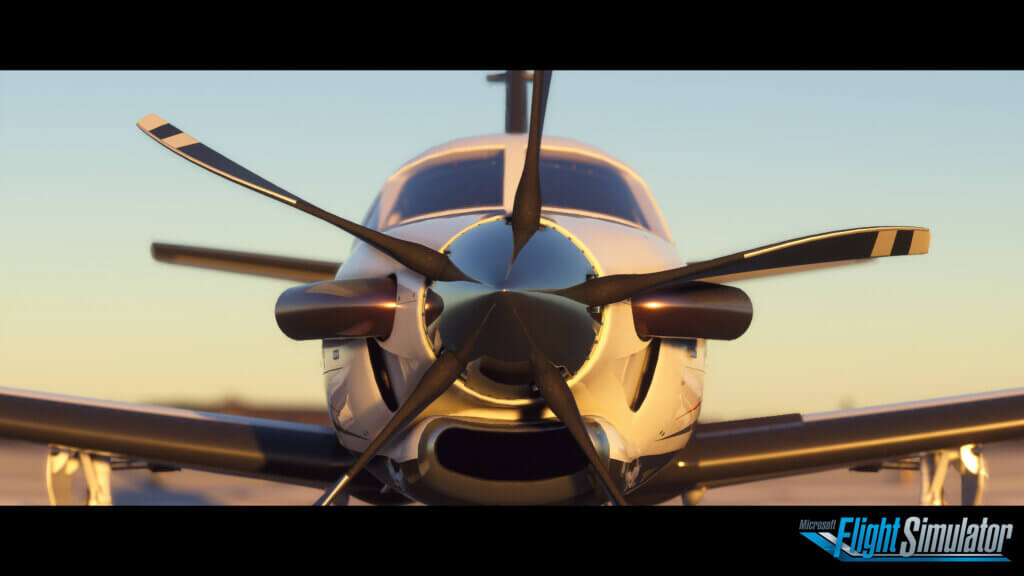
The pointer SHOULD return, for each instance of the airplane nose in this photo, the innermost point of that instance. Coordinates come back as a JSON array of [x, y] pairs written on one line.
[[506, 301]]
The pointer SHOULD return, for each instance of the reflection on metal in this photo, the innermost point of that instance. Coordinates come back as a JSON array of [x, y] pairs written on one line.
[[359, 308], [646, 375], [972, 475], [563, 329], [745, 450], [433, 305], [692, 310], [694, 496], [967, 460], [501, 380], [61, 466]]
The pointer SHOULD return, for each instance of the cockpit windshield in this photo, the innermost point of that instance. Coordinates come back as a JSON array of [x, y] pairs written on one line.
[[578, 182], [472, 180], [461, 181]]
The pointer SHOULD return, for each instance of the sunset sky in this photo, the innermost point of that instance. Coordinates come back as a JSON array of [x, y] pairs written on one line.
[[736, 160]]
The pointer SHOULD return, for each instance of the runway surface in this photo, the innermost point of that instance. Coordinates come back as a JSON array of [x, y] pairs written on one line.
[[22, 482]]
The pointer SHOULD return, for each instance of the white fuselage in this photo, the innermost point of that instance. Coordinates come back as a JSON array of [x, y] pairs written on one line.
[[604, 387]]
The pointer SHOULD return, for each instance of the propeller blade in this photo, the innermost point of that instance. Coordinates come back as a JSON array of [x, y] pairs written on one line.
[[298, 269], [526, 207], [692, 310], [556, 393], [436, 380], [798, 254], [418, 258], [353, 308]]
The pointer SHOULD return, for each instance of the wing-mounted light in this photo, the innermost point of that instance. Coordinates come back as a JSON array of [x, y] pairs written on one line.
[[357, 308], [692, 310]]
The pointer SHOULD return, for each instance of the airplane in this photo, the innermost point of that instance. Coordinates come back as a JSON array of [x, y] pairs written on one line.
[[513, 326]]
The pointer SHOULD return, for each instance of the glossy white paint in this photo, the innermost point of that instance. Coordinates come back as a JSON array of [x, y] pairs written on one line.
[[603, 387]]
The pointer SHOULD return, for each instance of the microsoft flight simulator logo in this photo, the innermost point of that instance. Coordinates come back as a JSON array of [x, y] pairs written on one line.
[[909, 539]]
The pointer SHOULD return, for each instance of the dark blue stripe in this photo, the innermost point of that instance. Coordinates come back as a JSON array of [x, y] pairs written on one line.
[[901, 246], [214, 159], [165, 131]]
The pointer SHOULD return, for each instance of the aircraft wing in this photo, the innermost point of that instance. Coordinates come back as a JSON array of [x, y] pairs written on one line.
[[297, 269], [722, 453], [255, 447]]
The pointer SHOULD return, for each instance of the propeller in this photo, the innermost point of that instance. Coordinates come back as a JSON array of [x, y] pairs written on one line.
[[416, 257], [430, 263], [559, 398], [669, 303], [526, 207], [435, 381], [525, 223], [801, 253]]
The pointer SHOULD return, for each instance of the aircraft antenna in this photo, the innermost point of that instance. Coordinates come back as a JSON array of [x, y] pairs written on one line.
[[515, 98]]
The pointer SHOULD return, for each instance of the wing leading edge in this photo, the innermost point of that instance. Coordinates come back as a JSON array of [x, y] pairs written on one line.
[[298, 269], [722, 453], [254, 447]]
